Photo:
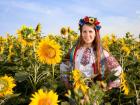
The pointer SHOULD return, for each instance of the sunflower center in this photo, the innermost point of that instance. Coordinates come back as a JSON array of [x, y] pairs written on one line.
[[45, 101], [50, 52], [3, 85]]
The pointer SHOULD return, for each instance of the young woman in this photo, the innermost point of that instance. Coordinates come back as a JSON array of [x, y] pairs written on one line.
[[89, 57]]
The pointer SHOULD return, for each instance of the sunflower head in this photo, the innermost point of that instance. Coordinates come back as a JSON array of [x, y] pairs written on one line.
[[6, 85], [125, 50], [44, 98], [79, 83], [64, 31], [49, 51], [124, 84], [26, 35], [38, 28], [76, 74], [1, 49]]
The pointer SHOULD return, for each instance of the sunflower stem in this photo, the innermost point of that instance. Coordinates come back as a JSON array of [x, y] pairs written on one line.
[[53, 69]]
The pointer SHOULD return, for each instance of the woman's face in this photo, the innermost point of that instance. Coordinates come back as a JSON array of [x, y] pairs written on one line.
[[88, 34]]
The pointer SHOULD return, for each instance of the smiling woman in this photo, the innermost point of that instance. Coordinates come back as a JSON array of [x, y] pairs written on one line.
[[89, 57]]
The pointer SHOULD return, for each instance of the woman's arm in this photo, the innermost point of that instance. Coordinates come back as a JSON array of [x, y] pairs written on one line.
[[65, 73], [113, 66]]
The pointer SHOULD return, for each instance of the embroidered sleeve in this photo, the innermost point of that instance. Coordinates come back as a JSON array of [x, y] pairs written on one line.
[[113, 65], [111, 62]]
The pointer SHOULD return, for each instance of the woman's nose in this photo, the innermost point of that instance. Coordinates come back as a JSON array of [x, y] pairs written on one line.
[[87, 33]]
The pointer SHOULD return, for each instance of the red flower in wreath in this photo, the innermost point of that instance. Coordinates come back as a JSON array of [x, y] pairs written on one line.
[[96, 22], [86, 19]]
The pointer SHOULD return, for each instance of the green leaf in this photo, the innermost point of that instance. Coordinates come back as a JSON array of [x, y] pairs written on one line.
[[21, 76], [111, 76]]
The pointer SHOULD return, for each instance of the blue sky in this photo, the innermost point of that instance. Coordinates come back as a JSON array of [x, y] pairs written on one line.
[[116, 16]]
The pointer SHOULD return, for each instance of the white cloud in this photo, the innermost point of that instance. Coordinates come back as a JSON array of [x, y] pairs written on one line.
[[82, 10], [52, 17], [30, 6], [120, 25], [138, 13]]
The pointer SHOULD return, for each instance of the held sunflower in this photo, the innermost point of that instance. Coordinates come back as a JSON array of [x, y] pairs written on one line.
[[6, 85], [49, 51], [44, 98], [79, 83]]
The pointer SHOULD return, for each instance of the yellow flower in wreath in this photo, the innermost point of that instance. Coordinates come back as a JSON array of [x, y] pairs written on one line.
[[91, 20]]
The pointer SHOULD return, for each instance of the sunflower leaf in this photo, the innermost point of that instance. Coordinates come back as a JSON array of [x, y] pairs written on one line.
[[21, 76]]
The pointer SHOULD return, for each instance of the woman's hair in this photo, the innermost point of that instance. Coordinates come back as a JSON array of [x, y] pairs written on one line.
[[95, 43]]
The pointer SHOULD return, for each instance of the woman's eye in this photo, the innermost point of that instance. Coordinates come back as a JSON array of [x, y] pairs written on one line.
[[84, 31], [90, 31]]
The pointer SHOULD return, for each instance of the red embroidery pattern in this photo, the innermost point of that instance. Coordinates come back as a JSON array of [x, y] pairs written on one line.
[[86, 57], [111, 62]]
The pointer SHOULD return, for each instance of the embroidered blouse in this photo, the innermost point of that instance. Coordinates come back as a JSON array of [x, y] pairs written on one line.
[[86, 69], [84, 64]]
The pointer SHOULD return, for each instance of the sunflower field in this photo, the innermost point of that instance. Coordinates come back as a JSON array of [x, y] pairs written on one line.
[[30, 70]]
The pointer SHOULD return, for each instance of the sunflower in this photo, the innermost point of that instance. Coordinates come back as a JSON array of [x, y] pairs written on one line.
[[49, 51], [38, 28], [1, 49], [124, 85], [79, 82], [24, 42], [113, 38], [6, 85], [10, 53], [26, 35], [69, 30], [64, 31], [125, 49], [80, 85], [106, 42], [44, 98], [76, 74]]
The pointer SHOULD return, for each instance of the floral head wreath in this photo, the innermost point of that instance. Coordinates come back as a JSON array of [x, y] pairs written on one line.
[[90, 20]]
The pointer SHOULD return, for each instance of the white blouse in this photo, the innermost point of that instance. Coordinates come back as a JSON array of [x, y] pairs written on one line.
[[87, 69]]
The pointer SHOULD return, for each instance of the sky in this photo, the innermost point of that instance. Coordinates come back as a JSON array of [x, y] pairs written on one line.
[[116, 16]]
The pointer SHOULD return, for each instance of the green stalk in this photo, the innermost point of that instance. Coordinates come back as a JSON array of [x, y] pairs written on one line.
[[53, 65]]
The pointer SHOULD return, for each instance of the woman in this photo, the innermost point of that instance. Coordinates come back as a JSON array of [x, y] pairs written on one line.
[[89, 57]]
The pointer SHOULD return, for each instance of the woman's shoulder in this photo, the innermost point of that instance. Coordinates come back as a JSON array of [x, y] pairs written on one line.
[[106, 53]]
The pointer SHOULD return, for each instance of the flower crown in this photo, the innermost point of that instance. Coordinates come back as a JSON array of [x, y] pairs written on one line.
[[90, 20]]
